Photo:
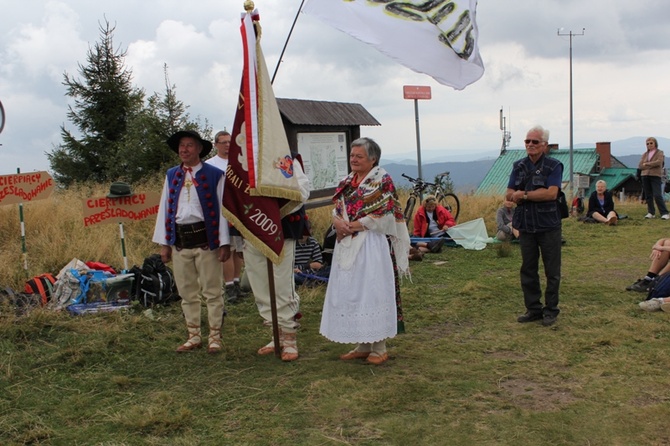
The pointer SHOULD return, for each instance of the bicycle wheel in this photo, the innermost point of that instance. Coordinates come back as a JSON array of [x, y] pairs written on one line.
[[453, 205], [409, 209]]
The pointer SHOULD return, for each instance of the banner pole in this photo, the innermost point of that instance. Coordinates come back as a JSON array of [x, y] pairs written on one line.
[[273, 308]]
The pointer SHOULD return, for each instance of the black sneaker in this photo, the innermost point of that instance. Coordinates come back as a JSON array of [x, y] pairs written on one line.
[[231, 294], [641, 286], [240, 292], [548, 320], [529, 317]]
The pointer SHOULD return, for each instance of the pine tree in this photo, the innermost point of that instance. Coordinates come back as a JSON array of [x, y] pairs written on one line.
[[119, 137], [104, 100]]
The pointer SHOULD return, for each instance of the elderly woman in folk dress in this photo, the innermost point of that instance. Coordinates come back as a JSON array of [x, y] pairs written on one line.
[[362, 303]]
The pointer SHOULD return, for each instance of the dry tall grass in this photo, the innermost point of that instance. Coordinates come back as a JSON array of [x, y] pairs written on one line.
[[55, 234], [55, 231]]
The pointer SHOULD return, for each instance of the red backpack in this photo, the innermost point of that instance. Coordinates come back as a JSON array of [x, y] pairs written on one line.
[[42, 285]]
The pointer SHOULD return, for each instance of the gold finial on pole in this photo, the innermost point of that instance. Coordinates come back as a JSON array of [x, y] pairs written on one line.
[[249, 6]]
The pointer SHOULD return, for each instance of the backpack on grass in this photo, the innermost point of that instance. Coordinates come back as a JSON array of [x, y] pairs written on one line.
[[21, 303], [562, 204], [42, 285], [155, 284]]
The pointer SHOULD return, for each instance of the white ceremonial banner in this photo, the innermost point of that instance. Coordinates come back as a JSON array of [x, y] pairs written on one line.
[[437, 38]]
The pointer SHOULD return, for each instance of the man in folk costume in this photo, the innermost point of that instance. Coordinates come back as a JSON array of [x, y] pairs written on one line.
[[193, 234], [287, 299], [265, 193]]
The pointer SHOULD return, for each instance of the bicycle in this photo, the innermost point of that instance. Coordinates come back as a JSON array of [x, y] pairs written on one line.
[[447, 199]]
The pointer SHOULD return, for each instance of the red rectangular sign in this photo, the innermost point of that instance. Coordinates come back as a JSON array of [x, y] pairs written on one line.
[[416, 92]]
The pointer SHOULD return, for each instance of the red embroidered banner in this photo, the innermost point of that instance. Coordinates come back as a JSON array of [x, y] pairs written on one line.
[[260, 185]]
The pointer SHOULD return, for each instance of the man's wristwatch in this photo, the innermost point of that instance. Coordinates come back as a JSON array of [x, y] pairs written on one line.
[[525, 196]]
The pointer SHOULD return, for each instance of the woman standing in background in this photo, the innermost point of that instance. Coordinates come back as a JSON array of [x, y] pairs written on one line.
[[651, 171]]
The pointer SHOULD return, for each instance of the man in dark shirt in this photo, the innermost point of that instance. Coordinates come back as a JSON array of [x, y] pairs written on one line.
[[534, 185]]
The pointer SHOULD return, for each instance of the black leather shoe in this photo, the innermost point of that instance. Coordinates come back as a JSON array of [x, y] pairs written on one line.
[[529, 317], [548, 320]]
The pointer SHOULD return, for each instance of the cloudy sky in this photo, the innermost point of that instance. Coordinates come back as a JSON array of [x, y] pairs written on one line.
[[620, 70]]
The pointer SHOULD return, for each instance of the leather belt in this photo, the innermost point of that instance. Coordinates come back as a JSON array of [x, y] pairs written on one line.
[[191, 236]]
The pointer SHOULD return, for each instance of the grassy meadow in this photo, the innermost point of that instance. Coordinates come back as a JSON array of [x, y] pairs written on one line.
[[464, 373]]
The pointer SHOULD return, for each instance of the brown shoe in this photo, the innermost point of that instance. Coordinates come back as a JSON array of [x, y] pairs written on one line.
[[378, 358], [193, 342], [289, 346], [354, 354], [267, 349], [215, 344]]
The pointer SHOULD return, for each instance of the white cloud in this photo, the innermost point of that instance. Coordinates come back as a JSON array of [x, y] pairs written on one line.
[[619, 69], [48, 47]]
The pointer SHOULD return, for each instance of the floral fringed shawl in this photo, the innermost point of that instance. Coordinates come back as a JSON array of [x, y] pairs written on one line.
[[375, 204]]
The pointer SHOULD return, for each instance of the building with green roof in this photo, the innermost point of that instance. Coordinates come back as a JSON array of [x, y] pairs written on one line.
[[588, 165]]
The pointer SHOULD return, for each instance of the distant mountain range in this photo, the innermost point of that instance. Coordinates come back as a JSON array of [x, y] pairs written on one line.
[[467, 174]]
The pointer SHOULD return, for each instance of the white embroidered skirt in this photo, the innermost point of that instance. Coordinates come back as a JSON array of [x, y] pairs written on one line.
[[360, 301]]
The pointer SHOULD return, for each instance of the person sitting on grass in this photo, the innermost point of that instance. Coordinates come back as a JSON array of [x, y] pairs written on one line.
[[309, 264], [660, 255], [601, 205], [432, 219], [506, 232]]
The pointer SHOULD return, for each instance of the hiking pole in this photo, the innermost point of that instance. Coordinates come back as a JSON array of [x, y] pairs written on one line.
[[123, 248]]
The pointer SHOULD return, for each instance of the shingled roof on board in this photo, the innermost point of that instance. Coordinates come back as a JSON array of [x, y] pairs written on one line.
[[306, 112]]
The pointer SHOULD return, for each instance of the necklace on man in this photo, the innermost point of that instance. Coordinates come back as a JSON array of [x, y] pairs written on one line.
[[189, 181]]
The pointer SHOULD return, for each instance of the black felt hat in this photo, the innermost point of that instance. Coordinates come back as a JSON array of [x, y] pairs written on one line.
[[119, 189], [173, 141]]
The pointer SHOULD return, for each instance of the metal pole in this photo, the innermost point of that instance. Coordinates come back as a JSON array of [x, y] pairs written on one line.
[[418, 138], [571, 179], [272, 81], [571, 126]]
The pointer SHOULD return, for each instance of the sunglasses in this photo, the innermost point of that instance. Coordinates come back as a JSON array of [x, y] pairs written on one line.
[[532, 141]]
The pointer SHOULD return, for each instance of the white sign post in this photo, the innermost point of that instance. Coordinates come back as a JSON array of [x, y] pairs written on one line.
[[417, 92]]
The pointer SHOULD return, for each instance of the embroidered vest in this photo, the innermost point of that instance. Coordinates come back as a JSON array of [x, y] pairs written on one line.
[[207, 178]]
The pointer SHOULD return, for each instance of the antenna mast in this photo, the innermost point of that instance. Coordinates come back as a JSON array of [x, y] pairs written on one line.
[[506, 135]]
